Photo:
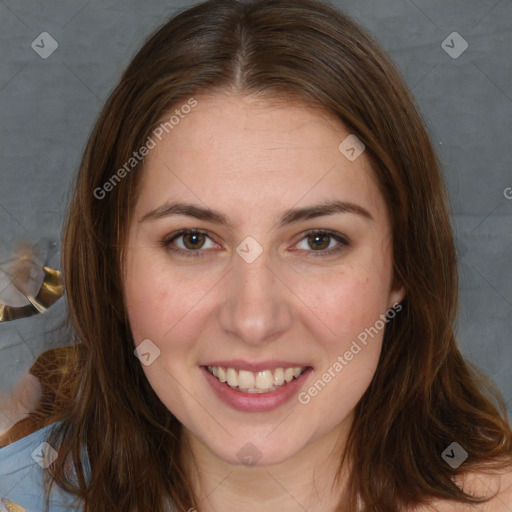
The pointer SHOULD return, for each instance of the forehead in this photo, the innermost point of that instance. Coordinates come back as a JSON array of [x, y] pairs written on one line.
[[261, 155]]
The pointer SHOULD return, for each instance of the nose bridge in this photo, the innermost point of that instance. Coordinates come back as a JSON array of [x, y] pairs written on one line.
[[256, 307]]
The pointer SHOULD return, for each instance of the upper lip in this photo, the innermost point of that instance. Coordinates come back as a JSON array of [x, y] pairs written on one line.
[[256, 366]]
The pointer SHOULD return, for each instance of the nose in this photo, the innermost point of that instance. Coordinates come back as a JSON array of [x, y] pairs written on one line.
[[257, 308]]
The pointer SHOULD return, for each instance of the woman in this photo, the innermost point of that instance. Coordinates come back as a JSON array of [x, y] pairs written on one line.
[[261, 273]]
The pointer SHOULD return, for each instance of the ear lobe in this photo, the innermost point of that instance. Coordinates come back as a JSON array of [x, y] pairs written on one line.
[[396, 294]]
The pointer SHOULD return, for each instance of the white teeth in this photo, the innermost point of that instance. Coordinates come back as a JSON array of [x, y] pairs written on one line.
[[232, 377], [246, 379], [221, 373], [256, 390], [264, 381], [278, 377]]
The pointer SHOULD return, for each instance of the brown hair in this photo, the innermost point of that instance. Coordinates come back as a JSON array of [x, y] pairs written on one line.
[[424, 394]]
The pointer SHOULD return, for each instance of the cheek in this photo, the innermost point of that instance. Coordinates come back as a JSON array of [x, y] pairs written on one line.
[[163, 306], [343, 303], [350, 346], [160, 309], [152, 307]]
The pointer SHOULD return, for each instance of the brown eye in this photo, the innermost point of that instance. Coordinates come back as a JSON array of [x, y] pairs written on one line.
[[193, 240], [188, 242], [319, 241]]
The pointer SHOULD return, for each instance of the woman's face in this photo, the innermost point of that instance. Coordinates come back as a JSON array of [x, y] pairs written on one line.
[[252, 293]]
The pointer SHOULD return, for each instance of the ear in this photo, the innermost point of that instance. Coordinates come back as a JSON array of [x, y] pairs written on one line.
[[396, 294]]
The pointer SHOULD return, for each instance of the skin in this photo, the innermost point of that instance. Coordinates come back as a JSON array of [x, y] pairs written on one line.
[[479, 483], [251, 160]]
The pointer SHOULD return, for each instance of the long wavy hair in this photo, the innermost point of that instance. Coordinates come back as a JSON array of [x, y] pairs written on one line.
[[424, 394]]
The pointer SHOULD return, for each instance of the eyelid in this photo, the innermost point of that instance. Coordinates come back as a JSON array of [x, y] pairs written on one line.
[[166, 242], [342, 240]]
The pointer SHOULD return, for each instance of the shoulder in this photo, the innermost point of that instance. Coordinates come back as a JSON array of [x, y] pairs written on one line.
[[22, 475], [479, 483]]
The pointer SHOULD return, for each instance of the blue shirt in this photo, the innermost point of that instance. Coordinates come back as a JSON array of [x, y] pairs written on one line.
[[22, 468]]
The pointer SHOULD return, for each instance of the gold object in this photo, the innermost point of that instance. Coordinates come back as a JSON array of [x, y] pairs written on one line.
[[50, 291], [9, 506]]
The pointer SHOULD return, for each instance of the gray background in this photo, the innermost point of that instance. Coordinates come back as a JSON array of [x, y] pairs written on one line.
[[48, 107]]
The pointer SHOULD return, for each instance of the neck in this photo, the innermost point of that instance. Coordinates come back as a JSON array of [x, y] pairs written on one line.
[[304, 481]]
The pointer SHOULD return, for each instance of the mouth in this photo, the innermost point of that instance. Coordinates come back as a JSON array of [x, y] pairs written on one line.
[[260, 382]]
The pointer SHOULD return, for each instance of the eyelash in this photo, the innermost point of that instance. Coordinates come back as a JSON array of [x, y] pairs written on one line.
[[166, 242]]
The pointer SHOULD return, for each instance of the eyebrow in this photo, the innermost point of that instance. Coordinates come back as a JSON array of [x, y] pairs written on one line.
[[288, 217]]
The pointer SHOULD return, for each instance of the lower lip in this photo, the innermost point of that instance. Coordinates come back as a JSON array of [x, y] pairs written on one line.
[[256, 402]]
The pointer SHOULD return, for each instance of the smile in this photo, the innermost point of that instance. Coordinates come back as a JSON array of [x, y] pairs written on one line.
[[264, 381]]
